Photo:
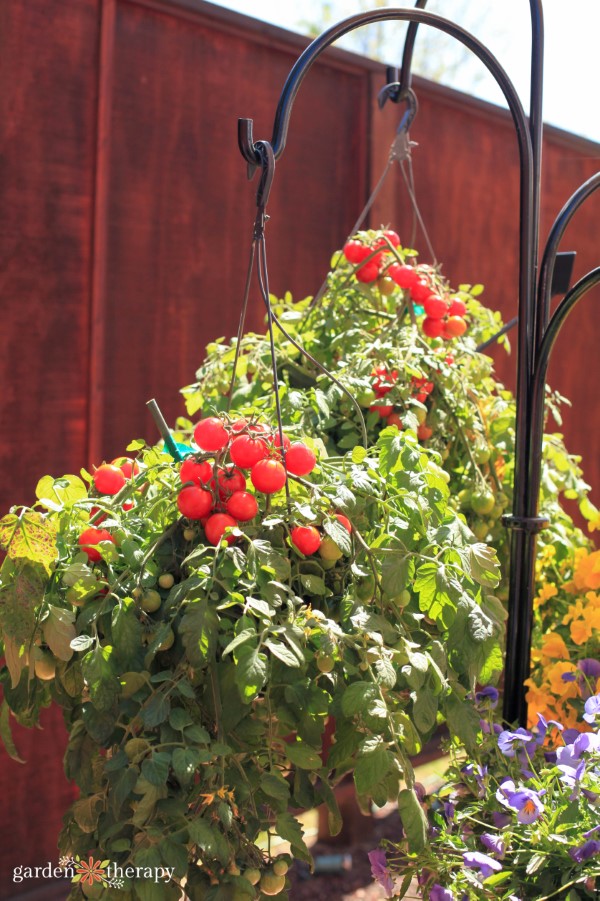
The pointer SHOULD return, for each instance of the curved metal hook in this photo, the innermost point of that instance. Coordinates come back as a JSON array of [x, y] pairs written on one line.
[[391, 92]]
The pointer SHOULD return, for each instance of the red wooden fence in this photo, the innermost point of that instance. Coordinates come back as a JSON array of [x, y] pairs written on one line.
[[126, 220]]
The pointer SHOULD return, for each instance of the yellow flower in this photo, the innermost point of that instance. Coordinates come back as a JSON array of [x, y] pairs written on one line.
[[594, 521], [554, 647], [581, 631], [558, 686], [546, 592], [587, 572]]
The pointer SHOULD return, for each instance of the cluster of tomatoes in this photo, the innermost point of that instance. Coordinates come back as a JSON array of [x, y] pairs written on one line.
[[308, 540], [444, 317], [384, 380], [215, 490], [108, 479]]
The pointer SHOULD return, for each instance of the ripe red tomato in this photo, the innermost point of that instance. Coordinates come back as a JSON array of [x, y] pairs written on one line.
[[395, 420], [421, 290], [89, 538], [93, 511], [229, 480], [454, 327], [210, 434], [392, 237], [242, 505], [424, 432], [129, 468], [433, 328], [355, 251], [306, 538], [238, 425], [404, 276], [198, 473], [245, 451], [369, 272], [127, 505], [421, 396], [344, 521], [194, 502], [277, 441], [457, 308], [109, 479], [268, 476], [215, 526], [435, 306], [299, 459], [383, 409]]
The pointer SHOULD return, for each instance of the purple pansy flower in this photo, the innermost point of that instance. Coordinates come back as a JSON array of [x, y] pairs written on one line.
[[494, 844], [568, 677], [380, 871], [592, 709], [511, 742], [590, 673], [500, 820], [482, 862], [585, 851], [488, 695], [525, 801], [478, 773], [439, 893]]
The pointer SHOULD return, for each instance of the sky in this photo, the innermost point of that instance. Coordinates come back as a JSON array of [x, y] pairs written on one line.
[[572, 55]]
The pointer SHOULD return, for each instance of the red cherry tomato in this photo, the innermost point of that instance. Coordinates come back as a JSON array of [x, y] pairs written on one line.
[[198, 473], [238, 425], [128, 467], [242, 506], [457, 308], [355, 251], [454, 327], [229, 480], [344, 521], [424, 432], [277, 441], [98, 519], [404, 276], [194, 502], [89, 538], [245, 451], [299, 459], [306, 538], [268, 476], [383, 409], [394, 420], [128, 505], [435, 306], [433, 328], [109, 479], [368, 273], [392, 237], [420, 291], [210, 434], [216, 525]]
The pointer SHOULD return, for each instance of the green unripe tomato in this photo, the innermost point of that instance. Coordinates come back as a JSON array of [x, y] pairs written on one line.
[[271, 884], [365, 588], [464, 498], [402, 599], [328, 549], [151, 600], [482, 453], [188, 534], [44, 663], [167, 642], [421, 414], [325, 664], [166, 580], [480, 528], [366, 398], [280, 867], [482, 501], [252, 875]]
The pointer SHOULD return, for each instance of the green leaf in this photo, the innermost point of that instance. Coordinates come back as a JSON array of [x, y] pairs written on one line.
[[283, 653], [424, 711], [86, 812], [339, 535], [127, 633], [244, 636], [290, 830], [396, 571], [22, 589], [463, 721], [103, 684], [334, 817], [59, 494], [156, 711], [262, 554], [485, 566], [303, 756], [180, 718], [314, 584], [359, 698], [275, 786], [209, 839], [6, 734], [413, 820], [199, 628], [185, 761], [250, 672], [432, 585], [156, 768], [359, 453], [59, 632], [371, 770]]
